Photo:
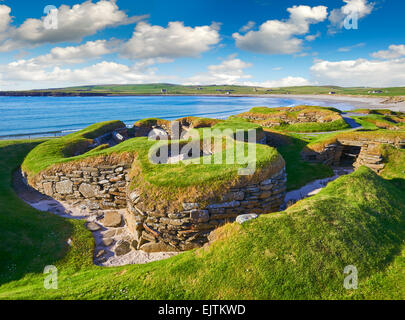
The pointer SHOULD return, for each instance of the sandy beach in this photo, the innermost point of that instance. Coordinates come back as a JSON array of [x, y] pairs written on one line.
[[394, 104]]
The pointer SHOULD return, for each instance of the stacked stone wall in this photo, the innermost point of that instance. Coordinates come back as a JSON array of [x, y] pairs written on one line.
[[189, 228], [98, 187]]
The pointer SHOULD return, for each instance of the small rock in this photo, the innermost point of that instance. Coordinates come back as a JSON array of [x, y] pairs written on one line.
[[119, 231], [199, 216], [111, 219], [100, 253], [92, 226], [266, 182], [102, 259], [190, 205], [157, 247], [246, 217], [133, 196], [134, 244], [109, 233], [64, 187], [107, 242], [122, 248]]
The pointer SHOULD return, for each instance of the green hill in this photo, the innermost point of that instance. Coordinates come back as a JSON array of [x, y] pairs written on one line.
[[297, 254], [174, 89]]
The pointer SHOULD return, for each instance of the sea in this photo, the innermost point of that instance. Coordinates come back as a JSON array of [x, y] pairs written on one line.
[[23, 117]]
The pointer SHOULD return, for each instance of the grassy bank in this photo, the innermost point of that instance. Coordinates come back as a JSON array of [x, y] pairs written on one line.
[[297, 254]]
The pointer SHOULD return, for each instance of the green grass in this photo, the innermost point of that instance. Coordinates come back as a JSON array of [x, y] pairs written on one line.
[[297, 254], [155, 88], [300, 172], [394, 169], [381, 112], [315, 126], [29, 239], [363, 121], [62, 149], [379, 121], [292, 113]]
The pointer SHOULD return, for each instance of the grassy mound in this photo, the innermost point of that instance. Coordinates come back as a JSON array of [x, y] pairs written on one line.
[[382, 120], [297, 119], [204, 176], [390, 136], [63, 149], [381, 112], [297, 254]]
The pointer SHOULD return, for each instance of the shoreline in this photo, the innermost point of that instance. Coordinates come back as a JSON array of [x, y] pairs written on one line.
[[356, 102], [396, 103]]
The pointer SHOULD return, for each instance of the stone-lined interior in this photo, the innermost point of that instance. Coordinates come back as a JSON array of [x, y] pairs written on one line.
[[352, 152]]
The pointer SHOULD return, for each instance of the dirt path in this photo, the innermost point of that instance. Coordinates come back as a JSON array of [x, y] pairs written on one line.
[[109, 250], [312, 188]]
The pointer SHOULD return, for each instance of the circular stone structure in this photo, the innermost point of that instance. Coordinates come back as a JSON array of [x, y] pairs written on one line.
[[169, 206]]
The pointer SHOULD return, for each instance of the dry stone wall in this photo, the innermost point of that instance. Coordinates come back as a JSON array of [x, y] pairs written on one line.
[[190, 227], [98, 187], [106, 187], [368, 156]]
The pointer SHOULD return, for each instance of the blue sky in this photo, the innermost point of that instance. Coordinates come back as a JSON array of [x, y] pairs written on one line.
[[254, 42]]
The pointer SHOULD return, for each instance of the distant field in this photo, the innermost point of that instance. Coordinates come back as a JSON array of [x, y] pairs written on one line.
[[162, 88]]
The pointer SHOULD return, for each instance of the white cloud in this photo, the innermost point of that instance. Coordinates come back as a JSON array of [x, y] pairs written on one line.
[[249, 26], [352, 7], [76, 54], [25, 74], [174, 41], [284, 82], [5, 18], [230, 71], [350, 48], [360, 72], [312, 37], [393, 52], [74, 23], [279, 37]]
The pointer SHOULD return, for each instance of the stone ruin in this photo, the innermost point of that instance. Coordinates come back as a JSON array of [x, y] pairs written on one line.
[[356, 152], [106, 186]]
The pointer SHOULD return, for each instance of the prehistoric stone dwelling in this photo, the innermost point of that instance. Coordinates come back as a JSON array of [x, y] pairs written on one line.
[[190, 226], [274, 117], [353, 150], [106, 183]]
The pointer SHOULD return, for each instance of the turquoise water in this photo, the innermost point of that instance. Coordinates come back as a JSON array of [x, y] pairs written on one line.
[[45, 115]]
